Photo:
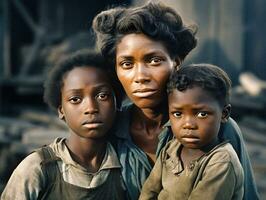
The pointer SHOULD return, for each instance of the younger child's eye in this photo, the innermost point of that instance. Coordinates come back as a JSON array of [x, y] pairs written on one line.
[[75, 100], [177, 114], [202, 114]]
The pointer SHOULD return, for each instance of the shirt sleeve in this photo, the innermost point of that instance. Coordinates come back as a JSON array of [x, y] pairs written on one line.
[[153, 184], [231, 132], [219, 181], [26, 180]]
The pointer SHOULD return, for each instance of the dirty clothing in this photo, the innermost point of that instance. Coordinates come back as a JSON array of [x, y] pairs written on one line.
[[136, 166], [215, 175], [30, 180]]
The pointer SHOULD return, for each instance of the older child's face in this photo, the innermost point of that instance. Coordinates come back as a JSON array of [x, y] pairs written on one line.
[[88, 104], [143, 67], [195, 117]]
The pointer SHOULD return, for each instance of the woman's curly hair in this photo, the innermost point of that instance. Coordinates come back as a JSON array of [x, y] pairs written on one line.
[[156, 20]]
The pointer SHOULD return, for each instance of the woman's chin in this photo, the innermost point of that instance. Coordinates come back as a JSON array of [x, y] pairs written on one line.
[[147, 103]]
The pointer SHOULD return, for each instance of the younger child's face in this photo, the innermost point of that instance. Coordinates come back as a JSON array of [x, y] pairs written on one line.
[[88, 105], [195, 117]]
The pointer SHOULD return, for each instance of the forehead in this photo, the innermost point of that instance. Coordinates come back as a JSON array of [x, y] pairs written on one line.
[[140, 42], [86, 75], [194, 95]]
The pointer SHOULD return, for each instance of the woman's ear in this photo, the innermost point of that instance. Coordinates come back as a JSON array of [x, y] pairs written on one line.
[[60, 112], [177, 63], [226, 113]]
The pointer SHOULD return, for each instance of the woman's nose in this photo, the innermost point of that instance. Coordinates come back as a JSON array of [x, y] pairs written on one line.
[[90, 106], [142, 74]]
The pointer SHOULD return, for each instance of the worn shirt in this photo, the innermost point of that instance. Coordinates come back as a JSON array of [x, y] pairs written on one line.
[[28, 179], [136, 166], [215, 175]]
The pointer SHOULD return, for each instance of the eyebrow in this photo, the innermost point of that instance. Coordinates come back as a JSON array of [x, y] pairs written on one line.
[[101, 85], [197, 107], [148, 54], [125, 57]]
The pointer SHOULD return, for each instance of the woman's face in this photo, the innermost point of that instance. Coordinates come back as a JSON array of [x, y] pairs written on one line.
[[143, 67]]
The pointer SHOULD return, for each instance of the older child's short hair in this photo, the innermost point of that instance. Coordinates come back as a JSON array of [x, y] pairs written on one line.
[[85, 58], [209, 77]]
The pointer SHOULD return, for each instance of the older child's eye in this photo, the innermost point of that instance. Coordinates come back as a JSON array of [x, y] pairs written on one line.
[[177, 114], [75, 100], [202, 114]]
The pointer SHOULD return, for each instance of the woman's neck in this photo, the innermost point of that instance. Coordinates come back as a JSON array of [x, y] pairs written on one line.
[[150, 118], [89, 153], [145, 127]]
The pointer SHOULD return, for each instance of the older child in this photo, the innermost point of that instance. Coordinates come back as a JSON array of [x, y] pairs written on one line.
[[196, 165], [83, 165]]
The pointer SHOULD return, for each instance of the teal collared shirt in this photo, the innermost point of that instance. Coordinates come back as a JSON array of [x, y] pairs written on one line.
[[135, 164]]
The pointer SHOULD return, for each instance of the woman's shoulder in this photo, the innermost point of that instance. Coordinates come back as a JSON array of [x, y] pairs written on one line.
[[229, 127], [230, 131]]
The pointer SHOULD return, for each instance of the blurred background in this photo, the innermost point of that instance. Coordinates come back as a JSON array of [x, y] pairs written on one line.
[[35, 34]]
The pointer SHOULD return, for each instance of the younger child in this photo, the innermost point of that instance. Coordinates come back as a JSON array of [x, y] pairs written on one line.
[[195, 165], [83, 165]]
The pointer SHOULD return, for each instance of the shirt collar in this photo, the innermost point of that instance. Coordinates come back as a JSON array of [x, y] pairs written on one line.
[[110, 159], [175, 147]]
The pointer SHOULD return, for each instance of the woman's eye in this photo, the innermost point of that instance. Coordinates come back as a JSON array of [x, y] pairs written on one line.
[[75, 100], [126, 64], [202, 114], [177, 114], [155, 60]]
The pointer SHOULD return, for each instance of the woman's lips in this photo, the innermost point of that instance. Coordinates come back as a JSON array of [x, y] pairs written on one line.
[[143, 93]]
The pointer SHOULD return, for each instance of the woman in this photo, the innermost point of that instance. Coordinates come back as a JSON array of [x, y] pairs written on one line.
[[145, 44]]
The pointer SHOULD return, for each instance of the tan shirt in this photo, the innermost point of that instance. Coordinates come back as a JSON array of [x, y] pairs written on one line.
[[27, 179], [215, 175]]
